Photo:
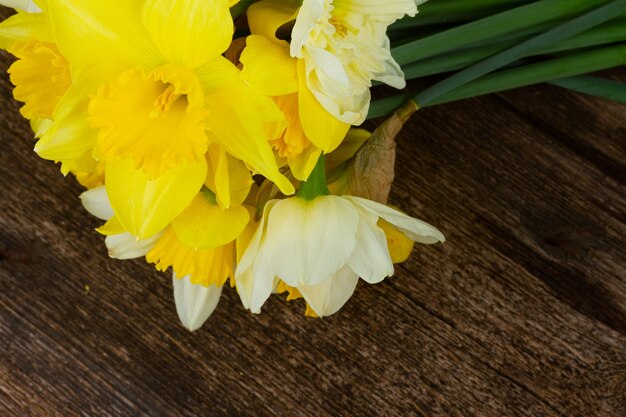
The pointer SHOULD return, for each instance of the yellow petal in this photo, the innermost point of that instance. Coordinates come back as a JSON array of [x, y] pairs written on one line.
[[41, 77], [89, 172], [204, 266], [203, 224], [244, 239], [292, 292], [92, 31], [302, 165], [243, 124], [24, 27], [155, 119], [293, 140], [268, 68], [267, 16], [70, 136], [399, 245], [355, 138], [227, 177], [111, 227], [320, 127], [144, 207], [220, 76], [189, 32]]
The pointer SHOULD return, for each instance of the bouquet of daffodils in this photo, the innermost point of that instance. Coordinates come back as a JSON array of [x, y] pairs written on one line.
[[217, 138]]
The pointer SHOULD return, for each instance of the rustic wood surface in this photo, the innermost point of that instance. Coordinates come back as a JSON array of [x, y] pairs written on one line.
[[521, 313]]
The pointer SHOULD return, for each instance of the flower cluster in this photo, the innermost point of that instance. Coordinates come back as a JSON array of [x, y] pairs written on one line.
[[212, 167]]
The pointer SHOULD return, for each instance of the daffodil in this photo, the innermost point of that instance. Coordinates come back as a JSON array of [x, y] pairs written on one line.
[[150, 93], [42, 77], [41, 74], [120, 243], [344, 46], [310, 129], [199, 246], [321, 244]]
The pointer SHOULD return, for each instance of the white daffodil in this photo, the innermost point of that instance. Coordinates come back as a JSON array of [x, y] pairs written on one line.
[[345, 46], [24, 5], [321, 244]]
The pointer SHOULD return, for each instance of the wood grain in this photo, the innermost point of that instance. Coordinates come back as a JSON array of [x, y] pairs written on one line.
[[521, 313]]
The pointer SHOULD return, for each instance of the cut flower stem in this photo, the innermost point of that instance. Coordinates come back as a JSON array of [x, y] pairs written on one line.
[[315, 185]]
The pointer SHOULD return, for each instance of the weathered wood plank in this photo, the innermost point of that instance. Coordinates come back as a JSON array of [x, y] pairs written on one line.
[[521, 313]]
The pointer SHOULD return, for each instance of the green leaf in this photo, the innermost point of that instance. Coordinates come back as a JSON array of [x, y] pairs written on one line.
[[492, 27], [509, 56], [450, 11], [555, 69], [595, 86], [558, 71], [614, 31]]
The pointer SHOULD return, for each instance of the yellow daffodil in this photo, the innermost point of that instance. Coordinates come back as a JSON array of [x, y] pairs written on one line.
[[151, 92], [42, 77], [41, 74], [310, 129], [199, 246], [344, 46], [121, 245], [321, 244]]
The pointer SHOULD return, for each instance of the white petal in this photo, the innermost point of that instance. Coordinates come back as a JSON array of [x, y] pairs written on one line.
[[255, 284], [370, 259], [254, 276], [308, 241], [24, 5], [415, 229], [96, 202], [330, 73], [329, 296], [194, 303], [393, 74], [308, 16], [250, 253], [387, 11], [127, 246]]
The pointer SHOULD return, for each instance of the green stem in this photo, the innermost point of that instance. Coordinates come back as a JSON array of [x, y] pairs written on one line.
[[492, 27], [315, 185], [614, 31], [560, 33]]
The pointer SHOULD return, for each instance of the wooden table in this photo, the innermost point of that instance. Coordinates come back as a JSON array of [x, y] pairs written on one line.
[[521, 313]]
